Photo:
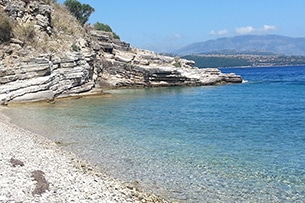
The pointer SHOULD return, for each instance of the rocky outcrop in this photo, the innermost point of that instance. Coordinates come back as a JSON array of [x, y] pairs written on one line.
[[45, 78], [121, 74], [88, 62], [132, 67], [30, 11]]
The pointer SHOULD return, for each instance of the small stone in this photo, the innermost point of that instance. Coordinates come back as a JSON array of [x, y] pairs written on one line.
[[2, 198], [16, 162]]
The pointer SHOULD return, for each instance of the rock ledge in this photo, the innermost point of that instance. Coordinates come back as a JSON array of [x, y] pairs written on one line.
[[55, 64]]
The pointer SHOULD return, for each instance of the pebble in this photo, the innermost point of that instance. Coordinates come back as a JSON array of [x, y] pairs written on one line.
[[2, 198], [70, 178]]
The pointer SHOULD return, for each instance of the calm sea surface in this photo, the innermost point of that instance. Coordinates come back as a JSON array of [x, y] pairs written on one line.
[[231, 143]]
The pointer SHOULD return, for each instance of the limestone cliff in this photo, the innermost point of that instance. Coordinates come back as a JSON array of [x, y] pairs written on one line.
[[50, 55]]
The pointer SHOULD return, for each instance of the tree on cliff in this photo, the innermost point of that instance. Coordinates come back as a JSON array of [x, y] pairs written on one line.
[[82, 12]]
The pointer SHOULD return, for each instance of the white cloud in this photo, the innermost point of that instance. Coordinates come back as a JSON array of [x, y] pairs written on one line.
[[268, 28], [220, 32], [244, 30], [173, 37]]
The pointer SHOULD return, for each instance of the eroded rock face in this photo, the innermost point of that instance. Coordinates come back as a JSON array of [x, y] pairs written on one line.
[[142, 68], [45, 78], [97, 61], [30, 11]]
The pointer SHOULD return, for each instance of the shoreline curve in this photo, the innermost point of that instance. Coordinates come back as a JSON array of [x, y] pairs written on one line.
[[70, 178]]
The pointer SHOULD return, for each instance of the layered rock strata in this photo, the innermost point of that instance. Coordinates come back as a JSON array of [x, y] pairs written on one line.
[[93, 61]]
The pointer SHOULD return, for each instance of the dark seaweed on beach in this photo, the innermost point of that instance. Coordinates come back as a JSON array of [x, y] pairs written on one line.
[[42, 184], [16, 162]]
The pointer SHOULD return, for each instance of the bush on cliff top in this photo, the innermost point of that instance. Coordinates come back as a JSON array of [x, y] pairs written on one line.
[[106, 28], [102, 26], [82, 12]]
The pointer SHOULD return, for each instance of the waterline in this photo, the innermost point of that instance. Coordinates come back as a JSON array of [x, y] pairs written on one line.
[[241, 142]]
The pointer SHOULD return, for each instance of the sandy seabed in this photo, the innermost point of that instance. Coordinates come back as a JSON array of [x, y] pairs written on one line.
[[64, 176]]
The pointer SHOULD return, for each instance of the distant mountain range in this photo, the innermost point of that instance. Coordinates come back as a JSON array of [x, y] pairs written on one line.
[[263, 44]]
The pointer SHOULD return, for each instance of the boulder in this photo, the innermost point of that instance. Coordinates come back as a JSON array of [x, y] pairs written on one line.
[[15, 9]]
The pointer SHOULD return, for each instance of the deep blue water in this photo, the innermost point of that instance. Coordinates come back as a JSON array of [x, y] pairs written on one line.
[[231, 143]]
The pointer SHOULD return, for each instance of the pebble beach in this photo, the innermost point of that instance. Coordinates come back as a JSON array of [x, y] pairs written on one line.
[[62, 176]]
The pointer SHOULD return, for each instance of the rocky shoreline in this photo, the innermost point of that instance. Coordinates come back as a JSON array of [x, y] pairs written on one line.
[[50, 56], [34, 169]]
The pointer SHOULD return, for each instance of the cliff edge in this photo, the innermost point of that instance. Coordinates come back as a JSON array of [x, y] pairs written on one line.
[[45, 54]]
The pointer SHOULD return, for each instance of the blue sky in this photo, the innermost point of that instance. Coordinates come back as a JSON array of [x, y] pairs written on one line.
[[165, 25]]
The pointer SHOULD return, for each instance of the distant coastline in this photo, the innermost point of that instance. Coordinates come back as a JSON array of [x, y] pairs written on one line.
[[265, 66], [244, 60]]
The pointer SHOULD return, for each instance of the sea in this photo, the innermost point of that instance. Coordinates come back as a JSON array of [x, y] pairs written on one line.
[[228, 143]]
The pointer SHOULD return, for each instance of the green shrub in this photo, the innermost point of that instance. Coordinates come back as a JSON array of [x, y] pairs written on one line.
[[49, 1], [106, 28], [6, 28], [115, 36], [102, 27], [82, 12], [177, 62], [75, 47]]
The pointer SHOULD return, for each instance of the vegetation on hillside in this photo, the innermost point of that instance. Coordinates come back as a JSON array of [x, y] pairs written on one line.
[[103, 27], [8, 29], [66, 30], [67, 24], [106, 28], [25, 32], [81, 11]]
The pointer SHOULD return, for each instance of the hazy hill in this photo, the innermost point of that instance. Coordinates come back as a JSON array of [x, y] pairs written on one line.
[[248, 43]]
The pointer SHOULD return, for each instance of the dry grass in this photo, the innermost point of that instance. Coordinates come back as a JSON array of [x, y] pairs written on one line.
[[64, 22], [66, 31], [25, 32]]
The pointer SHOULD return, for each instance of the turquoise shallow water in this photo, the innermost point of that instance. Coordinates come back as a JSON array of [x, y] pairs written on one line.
[[232, 143]]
